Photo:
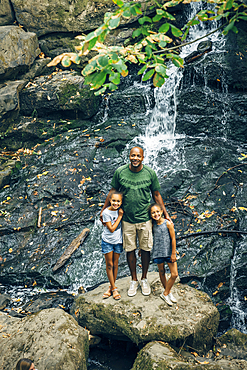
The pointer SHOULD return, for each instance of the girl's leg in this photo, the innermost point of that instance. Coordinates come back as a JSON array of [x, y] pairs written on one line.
[[115, 265], [161, 267], [109, 268], [174, 274]]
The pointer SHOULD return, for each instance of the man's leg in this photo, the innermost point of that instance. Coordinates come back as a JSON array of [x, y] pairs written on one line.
[[145, 258], [144, 232], [131, 259]]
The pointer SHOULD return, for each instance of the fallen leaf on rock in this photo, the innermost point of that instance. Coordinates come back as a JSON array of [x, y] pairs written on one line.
[[194, 353]]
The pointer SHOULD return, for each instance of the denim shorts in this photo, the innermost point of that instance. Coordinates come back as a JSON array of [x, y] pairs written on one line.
[[162, 260], [107, 247]]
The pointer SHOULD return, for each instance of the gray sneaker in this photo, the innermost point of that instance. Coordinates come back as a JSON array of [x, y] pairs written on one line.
[[146, 290], [172, 298], [166, 299], [133, 288]]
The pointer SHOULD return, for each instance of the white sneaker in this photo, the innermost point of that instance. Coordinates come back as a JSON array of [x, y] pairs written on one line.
[[133, 288], [172, 298], [146, 290], [166, 299]]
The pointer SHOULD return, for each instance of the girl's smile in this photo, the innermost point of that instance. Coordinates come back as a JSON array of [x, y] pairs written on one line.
[[116, 201], [156, 213]]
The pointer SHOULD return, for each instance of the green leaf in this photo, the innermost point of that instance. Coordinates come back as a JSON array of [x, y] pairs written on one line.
[[169, 16], [137, 33], [142, 70], [66, 62], [148, 75], [243, 17], [234, 29], [114, 23], [162, 44], [164, 28], [138, 9], [90, 36], [112, 87], [228, 28], [102, 36], [176, 31], [120, 66], [133, 11], [90, 78], [101, 91], [127, 13], [107, 16], [161, 69], [102, 61], [92, 43], [158, 80], [90, 68], [157, 18], [119, 3], [114, 57], [115, 78], [228, 4], [185, 34], [99, 79], [159, 11], [177, 62], [149, 51], [144, 19]]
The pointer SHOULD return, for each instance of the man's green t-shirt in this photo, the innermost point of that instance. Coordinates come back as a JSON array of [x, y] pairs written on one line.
[[136, 188]]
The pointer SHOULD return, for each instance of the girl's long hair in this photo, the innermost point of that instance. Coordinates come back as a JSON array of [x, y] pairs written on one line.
[[23, 364]]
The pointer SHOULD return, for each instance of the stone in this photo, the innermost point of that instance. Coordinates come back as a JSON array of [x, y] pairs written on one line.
[[9, 103], [59, 94], [159, 355], [141, 319], [4, 300], [54, 16], [6, 170], [51, 338], [6, 13], [18, 50]]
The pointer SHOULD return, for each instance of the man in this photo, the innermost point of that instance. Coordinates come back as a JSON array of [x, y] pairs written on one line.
[[137, 182]]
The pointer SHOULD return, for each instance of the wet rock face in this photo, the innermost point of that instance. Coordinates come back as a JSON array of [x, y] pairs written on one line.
[[59, 92], [141, 319], [51, 338], [212, 96]]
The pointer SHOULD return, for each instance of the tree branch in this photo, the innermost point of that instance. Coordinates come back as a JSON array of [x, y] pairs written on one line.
[[188, 43]]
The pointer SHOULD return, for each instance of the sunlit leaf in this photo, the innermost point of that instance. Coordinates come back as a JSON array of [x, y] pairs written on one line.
[[118, 3], [176, 31], [158, 80], [137, 32], [164, 28], [92, 43], [148, 75], [144, 19], [114, 23], [102, 61]]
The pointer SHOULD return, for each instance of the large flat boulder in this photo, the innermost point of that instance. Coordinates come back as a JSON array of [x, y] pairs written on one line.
[[18, 50], [159, 355], [193, 319], [51, 338], [61, 94]]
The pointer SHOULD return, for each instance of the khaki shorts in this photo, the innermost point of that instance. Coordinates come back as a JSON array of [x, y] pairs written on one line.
[[142, 230]]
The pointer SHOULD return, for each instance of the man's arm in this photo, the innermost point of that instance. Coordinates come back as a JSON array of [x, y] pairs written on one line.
[[158, 199], [107, 203]]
